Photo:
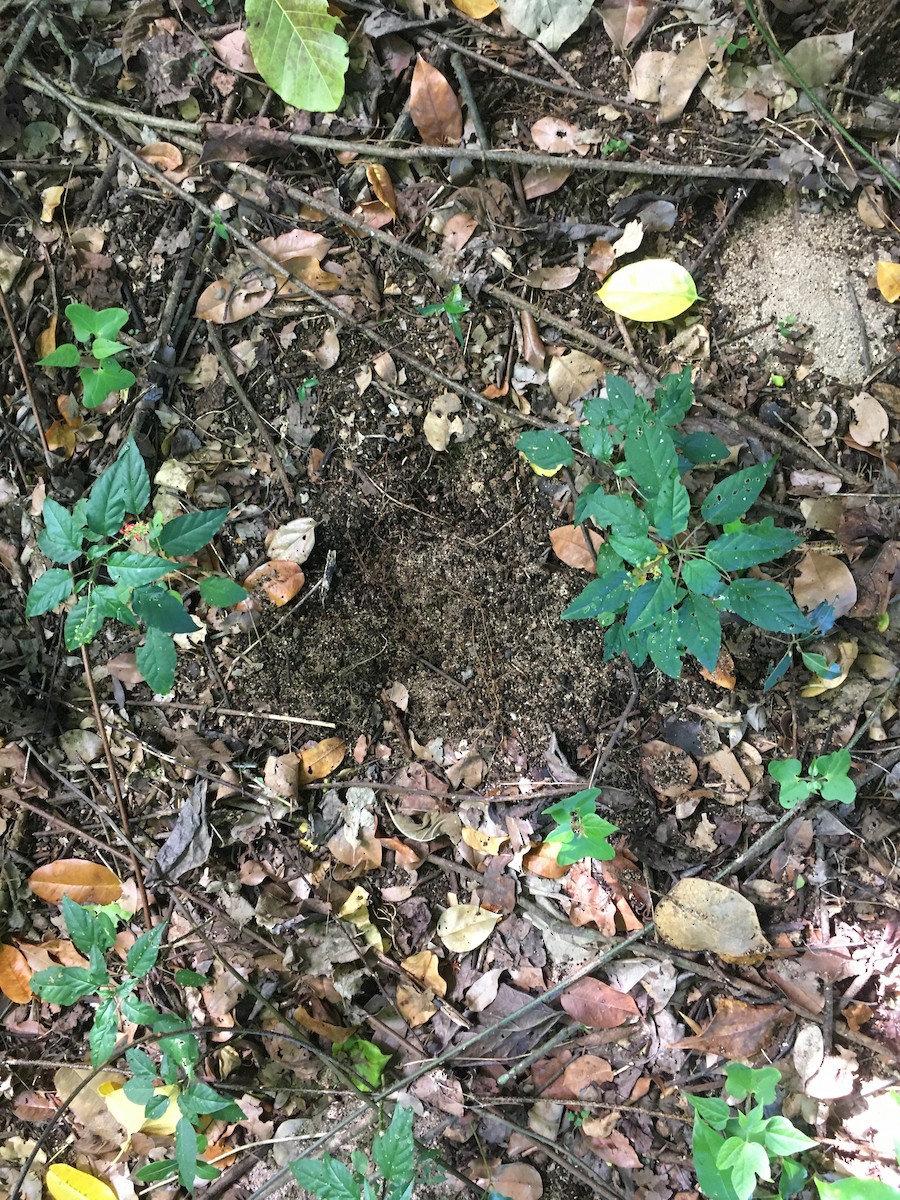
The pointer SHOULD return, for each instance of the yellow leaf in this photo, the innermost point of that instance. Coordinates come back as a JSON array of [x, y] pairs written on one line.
[[484, 843], [82, 881], [133, 1118], [356, 911], [656, 289], [424, 967], [479, 9], [466, 926], [317, 762], [415, 1007], [68, 1183], [698, 914], [887, 276]]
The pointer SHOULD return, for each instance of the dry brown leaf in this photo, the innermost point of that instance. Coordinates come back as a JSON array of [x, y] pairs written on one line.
[[612, 1146], [533, 349], [870, 208], [518, 1181], [223, 302], [738, 1030], [558, 137], [328, 351], [887, 276], [163, 155], [700, 915], [441, 423], [542, 861], [552, 279], [584, 1072], [573, 374], [457, 232], [83, 882], [415, 1007], [234, 51], [722, 675], [735, 786], [669, 770], [543, 181], [319, 761], [433, 106], [878, 580], [482, 843], [331, 1033], [51, 198], [601, 258], [622, 20], [632, 236], [280, 580], [591, 900], [15, 974], [870, 424], [570, 545], [683, 75], [424, 968], [598, 1005], [648, 73], [824, 579], [382, 186], [294, 541]]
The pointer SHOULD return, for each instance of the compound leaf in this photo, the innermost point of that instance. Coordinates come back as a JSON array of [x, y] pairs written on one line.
[[732, 497], [297, 51]]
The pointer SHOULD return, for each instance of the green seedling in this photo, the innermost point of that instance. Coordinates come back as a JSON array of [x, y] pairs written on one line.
[[304, 389], [786, 324], [821, 621], [217, 221], [110, 568], [668, 572], [614, 146], [397, 1167], [579, 832], [99, 372], [827, 776], [776, 381], [453, 305], [93, 933], [737, 1146]]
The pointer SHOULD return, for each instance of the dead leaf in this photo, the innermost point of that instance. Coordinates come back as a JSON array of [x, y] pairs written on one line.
[[294, 541], [328, 351], [598, 1005], [601, 258], [878, 580], [887, 276], [648, 73], [234, 51], [738, 1030], [843, 651], [552, 279], [591, 902], [573, 374], [722, 675], [163, 155], [543, 181], [424, 968], [382, 186], [623, 20], [483, 991], [700, 915], [280, 580], [871, 424], [558, 137], [15, 974], [438, 426], [51, 198], [223, 302], [824, 579], [457, 232], [84, 882], [612, 1146], [683, 75], [542, 861], [518, 1181], [355, 910], [533, 349], [587, 1071], [668, 770], [632, 236], [321, 760], [870, 208], [415, 1007], [735, 786], [465, 926], [483, 843], [570, 545], [433, 106]]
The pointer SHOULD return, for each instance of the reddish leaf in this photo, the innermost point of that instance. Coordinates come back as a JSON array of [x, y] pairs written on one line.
[[15, 974], [543, 181], [738, 1030], [223, 301], [598, 1005], [600, 258], [570, 545], [83, 882], [433, 107]]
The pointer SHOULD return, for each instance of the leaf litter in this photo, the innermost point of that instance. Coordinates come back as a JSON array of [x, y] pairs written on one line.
[[387, 877]]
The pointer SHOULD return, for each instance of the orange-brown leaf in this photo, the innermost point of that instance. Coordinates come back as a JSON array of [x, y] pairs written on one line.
[[738, 1030], [433, 107], [570, 546], [381, 185], [479, 9], [316, 762], [14, 975], [223, 301], [279, 579], [887, 276], [84, 882], [598, 1005]]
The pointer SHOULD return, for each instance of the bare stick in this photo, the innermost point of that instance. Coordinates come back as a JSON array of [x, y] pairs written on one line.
[[20, 359]]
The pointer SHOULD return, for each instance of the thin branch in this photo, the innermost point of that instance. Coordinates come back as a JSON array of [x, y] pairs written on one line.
[[26, 378]]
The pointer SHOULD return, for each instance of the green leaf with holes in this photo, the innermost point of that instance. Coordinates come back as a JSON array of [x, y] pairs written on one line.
[[766, 605], [545, 450], [731, 498]]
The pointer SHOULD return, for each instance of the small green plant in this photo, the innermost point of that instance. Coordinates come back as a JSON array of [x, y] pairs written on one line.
[[100, 373], [666, 574], [614, 146], [821, 620], [579, 832], [735, 1147], [454, 305], [397, 1167], [827, 776], [304, 389], [93, 932], [109, 573], [786, 324]]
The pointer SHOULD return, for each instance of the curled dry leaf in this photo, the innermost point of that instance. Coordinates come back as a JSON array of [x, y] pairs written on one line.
[[543, 861], [598, 1005], [382, 186], [824, 579], [600, 259], [319, 761], [533, 349], [632, 236], [543, 181], [572, 375], [723, 674], [15, 974], [558, 137], [843, 652], [465, 926], [517, 1181], [294, 541], [887, 276], [415, 1007], [622, 20], [571, 545], [700, 915], [163, 155], [552, 279], [433, 107], [667, 769], [83, 882], [870, 424], [328, 351], [280, 580], [738, 1030], [223, 302]]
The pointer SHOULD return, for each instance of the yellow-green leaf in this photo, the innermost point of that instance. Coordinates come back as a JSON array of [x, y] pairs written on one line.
[[656, 289], [68, 1183]]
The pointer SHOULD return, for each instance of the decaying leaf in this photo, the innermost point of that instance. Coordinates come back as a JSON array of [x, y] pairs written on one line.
[[542, 861], [319, 761], [355, 911], [870, 424], [570, 545], [415, 1007], [668, 769], [424, 968], [598, 1005], [622, 20], [84, 882], [223, 302], [824, 579], [738, 1030], [479, 9], [433, 106], [518, 1181], [294, 541], [700, 915], [163, 155], [234, 50], [559, 137], [543, 181], [550, 23], [442, 422], [280, 580], [465, 926], [15, 974], [573, 374], [887, 276]]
